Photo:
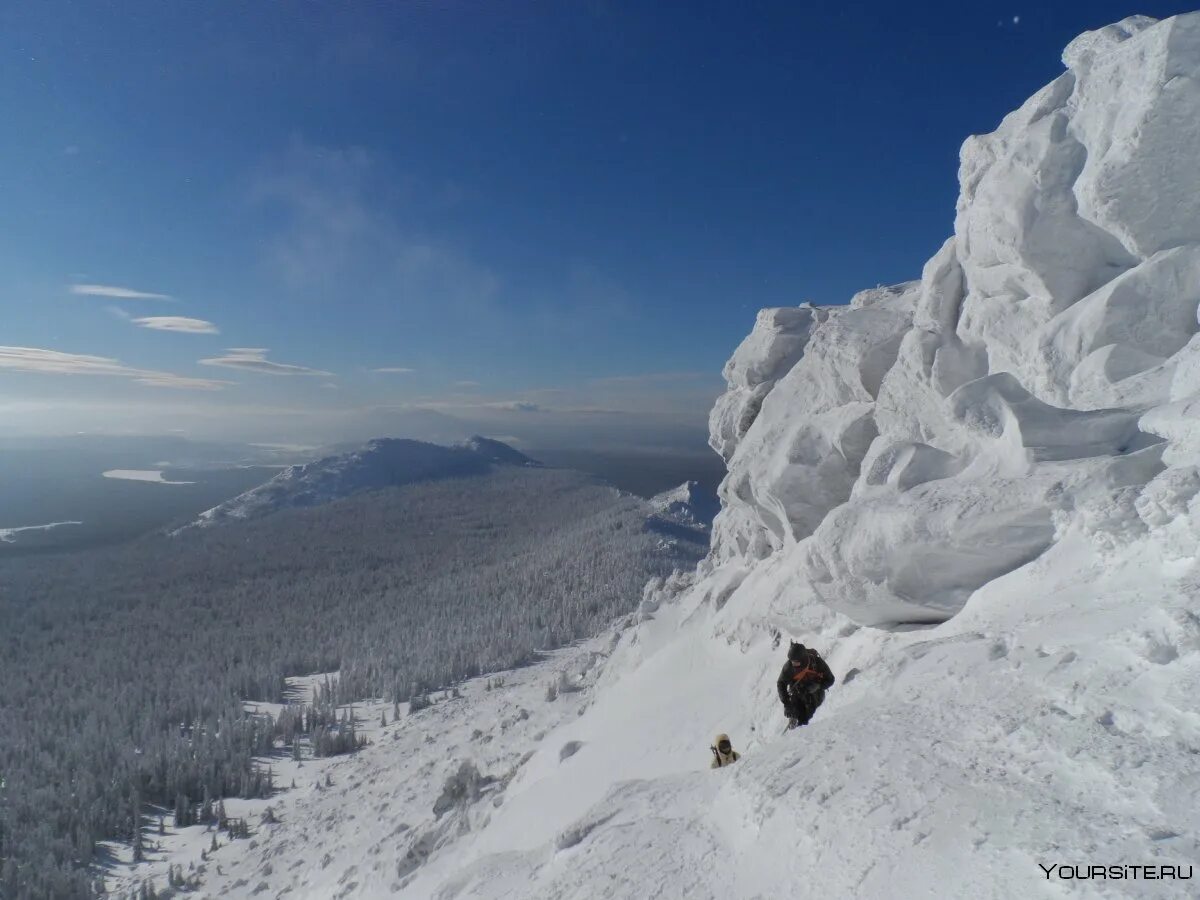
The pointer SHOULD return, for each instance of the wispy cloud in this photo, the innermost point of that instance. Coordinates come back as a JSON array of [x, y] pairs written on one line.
[[394, 370], [464, 403], [254, 359], [523, 406], [517, 406], [647, 378], [177, 323], [55, 362], [120, 293], [168, 380], [466, 384]]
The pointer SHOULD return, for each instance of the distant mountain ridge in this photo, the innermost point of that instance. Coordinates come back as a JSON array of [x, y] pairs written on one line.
[[380, 463], [496, 451]]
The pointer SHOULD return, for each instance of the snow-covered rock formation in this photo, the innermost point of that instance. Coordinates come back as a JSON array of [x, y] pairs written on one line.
[[930, 437], [384, 462]]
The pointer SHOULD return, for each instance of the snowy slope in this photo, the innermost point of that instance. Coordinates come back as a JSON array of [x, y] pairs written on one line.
[[976, 494], [384, 462]]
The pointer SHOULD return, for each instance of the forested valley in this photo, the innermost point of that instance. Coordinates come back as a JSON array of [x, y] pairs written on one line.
[[126, 669]]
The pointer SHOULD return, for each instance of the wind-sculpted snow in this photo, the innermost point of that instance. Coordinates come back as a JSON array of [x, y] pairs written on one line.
[[1114, 346], [923, 429], [801, 455], [770, 350]]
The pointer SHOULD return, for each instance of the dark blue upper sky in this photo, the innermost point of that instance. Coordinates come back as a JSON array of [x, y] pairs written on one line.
[[561, 205]]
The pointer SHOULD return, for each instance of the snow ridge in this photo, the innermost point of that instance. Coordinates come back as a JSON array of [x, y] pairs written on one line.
[[383, 462]]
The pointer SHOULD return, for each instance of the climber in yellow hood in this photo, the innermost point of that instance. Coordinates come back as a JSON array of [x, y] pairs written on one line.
[[723, 752]]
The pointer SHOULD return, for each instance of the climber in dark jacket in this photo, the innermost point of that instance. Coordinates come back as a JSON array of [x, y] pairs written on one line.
[[802, 684]]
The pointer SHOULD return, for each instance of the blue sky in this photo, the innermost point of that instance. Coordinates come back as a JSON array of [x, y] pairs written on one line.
[[566, 210]]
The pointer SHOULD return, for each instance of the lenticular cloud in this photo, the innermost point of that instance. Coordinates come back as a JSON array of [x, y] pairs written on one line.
[[254, 359]]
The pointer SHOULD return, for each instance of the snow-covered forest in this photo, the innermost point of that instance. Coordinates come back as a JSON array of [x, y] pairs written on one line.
[[126, 670]]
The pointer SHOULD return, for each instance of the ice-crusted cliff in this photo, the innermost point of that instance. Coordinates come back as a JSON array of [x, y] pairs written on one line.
[[934, 435]]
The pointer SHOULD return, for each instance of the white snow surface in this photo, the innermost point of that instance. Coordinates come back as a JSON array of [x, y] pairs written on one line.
[[153, 476], [978, 495], [10, 535]]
